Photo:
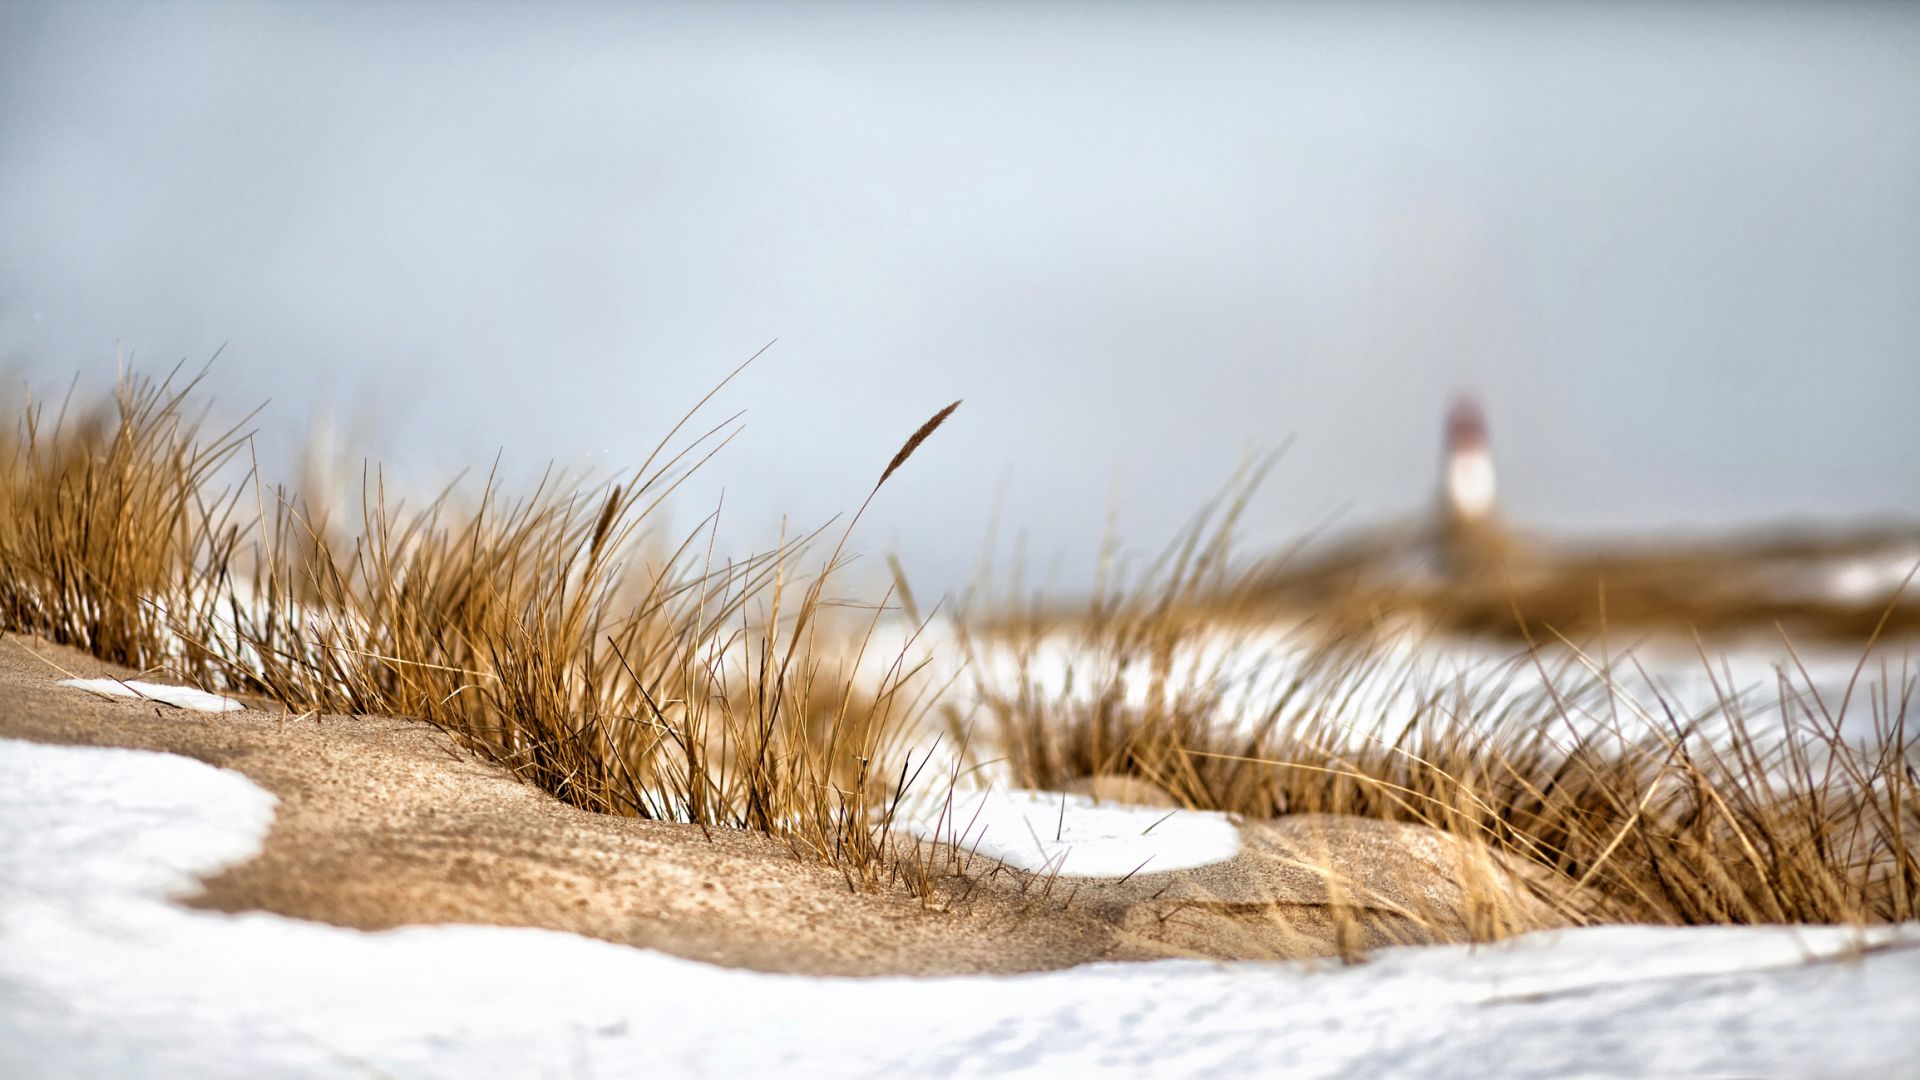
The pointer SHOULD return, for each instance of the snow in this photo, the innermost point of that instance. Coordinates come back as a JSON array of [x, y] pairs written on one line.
[[1072, 836], [100, 976], [185, 697], [1238, 674]]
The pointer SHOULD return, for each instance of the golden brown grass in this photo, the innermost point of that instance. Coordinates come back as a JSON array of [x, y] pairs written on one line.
[[109, 521], [563, 634], [1640, 812], [558, 633]]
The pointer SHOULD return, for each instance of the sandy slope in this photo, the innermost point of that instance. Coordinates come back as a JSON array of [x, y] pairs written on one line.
[[384, 822]]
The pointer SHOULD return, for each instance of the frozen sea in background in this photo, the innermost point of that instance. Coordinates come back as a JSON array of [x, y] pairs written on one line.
[[100, 976]]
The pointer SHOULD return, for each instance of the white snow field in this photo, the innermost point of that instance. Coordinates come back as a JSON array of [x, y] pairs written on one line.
[[1251, 668], [101, 976], [183, 697], [1237, 676]]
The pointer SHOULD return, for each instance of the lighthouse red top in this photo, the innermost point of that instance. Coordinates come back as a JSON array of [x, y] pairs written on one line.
[[1466, 426]]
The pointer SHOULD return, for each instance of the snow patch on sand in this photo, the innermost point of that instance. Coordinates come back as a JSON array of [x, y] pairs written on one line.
[[1051, 832], [98, 824], [101, 977], [185, 697]]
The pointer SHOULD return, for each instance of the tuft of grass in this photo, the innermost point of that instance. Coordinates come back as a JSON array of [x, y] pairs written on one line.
[[1620, 806], [110, 519], [560, 633]]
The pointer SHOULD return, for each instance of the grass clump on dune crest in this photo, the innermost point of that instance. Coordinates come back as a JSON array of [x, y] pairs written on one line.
[[557, 633]]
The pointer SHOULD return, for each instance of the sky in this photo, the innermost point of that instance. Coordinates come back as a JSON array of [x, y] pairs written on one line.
[[1674, 248]]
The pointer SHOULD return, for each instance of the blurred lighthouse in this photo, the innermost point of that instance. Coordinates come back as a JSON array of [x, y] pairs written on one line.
[[1471, 539]]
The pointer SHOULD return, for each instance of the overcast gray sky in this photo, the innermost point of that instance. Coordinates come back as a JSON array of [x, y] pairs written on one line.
[[1675, 248]]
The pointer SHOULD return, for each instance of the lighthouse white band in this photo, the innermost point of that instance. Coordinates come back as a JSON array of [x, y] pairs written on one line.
[[1470, 487]]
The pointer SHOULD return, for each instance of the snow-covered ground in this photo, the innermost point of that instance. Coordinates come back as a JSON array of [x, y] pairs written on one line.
[[1243, 672], [1239, 676], [101, 976]]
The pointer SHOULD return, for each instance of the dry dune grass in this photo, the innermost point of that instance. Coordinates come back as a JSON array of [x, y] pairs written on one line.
[[562, 635], [558, 633], [109, 527], [1641, 813]]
